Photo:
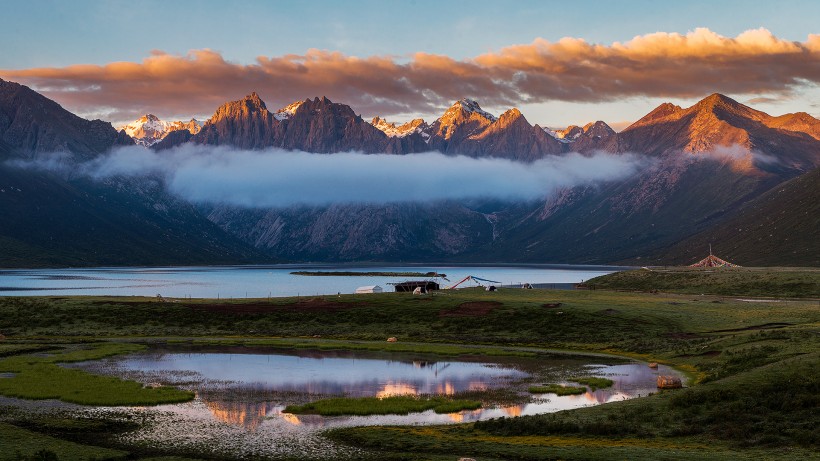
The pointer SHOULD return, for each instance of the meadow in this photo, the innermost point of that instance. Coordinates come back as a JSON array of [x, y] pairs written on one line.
[[754, 364]]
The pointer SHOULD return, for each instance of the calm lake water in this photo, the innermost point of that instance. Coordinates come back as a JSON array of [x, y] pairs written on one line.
[[263, 281]]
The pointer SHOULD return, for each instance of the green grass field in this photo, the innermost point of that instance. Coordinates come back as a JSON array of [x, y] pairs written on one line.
[[40, 377], [754, 363], [557, 389], [395, 405], [739, 281]]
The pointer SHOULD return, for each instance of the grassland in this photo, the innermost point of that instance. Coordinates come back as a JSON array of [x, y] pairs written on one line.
[[557, 389], [594, 383], [755, 364], [40, 377], [395, 405], [739, 281]]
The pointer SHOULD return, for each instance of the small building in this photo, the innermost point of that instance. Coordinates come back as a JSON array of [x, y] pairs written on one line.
[[410, 286], [369, 289]]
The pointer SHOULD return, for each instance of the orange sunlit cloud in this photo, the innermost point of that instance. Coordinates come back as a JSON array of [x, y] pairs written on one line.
[[571, 69]]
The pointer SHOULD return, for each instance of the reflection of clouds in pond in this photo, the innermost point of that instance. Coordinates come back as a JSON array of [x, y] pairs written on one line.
[[393, 388], [351, 376], [241, 396], [246, 414], [514, 410]]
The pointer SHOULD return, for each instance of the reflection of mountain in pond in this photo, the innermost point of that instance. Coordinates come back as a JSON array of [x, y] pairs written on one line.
[[514, 410], [246, 414]]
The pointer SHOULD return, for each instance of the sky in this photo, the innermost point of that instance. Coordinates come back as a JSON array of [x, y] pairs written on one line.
[[560, 63]]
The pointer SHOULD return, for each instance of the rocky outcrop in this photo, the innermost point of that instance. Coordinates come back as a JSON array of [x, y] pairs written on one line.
[[246, 124], [592, 137], [512, 137], [321, 126]]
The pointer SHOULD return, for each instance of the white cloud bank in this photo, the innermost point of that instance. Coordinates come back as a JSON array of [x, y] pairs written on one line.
[[277, 178]]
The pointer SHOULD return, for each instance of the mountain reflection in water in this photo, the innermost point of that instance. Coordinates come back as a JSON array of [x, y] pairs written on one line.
[[248, 389]]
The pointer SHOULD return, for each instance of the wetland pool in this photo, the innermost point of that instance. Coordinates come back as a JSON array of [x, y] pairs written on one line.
[[241, 393]]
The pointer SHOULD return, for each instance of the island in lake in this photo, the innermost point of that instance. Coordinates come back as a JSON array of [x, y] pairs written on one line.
[[368, 274]]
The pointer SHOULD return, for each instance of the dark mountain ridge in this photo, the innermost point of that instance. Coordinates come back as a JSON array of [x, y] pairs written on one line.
[[49, 220], [31, 124]]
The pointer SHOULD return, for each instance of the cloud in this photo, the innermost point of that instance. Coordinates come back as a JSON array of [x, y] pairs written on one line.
[[279, 178], [740, 156], [571, 69], [767, 100]]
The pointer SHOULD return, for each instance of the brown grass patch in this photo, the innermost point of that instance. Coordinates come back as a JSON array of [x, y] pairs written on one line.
[[471, 309]]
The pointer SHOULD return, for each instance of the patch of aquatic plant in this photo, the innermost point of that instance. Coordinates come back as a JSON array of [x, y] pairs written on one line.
[[593, 382], [396, 405], [557, 389], [39, 377]]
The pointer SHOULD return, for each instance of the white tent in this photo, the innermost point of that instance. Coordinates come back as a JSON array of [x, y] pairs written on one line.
[[369, 289]]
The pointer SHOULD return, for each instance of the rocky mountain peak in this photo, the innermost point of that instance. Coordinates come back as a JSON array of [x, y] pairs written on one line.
[[568, 134], [716, 100], [724, 107], [464, 110], [288, 111], [598, 129], [247, 107], [663, 111], [254, 101], [31, 124], [511, 114], [150, 129], [798, 121]]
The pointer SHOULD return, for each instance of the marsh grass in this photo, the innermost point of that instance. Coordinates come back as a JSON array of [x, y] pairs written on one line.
[[395, 405], [593, 382], [18, 443], [557, 389], [40, 377]]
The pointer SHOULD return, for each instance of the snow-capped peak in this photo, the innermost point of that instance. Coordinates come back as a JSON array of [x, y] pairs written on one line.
[[567, 135], [149, 129], [471, 105], [390, 129], [287, 111]]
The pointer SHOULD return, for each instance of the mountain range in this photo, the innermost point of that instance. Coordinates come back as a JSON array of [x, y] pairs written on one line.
[[149, 129], [714, 167]]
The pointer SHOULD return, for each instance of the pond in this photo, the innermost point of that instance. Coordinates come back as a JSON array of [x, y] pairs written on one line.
[[242, 392]]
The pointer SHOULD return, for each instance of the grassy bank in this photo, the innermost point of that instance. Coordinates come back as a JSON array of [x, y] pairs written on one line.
[[739, 281], [395, 405], [557, 389], [40, 377]]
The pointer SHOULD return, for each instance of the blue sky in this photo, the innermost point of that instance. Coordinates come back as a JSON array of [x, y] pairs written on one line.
[[63, 33]]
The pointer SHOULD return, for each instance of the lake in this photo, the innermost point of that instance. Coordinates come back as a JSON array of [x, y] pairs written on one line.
[[241, 393], [270, 280]]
